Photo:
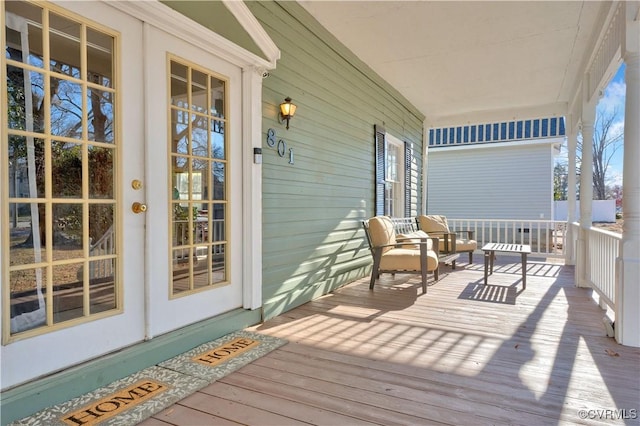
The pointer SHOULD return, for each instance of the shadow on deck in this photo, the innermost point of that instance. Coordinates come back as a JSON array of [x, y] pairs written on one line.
[[463, 353]]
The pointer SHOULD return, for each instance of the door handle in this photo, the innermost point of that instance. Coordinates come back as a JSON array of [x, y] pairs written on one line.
[[138, 207]]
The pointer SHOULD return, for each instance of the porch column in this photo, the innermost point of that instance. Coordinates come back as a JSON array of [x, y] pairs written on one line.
[[582, 270], [627, 322], [252, 186], [572, 141], [425, 167]]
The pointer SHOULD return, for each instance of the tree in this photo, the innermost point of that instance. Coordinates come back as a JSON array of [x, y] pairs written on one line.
[[615, 193], [66, 164], [560, 183], [606, 142]]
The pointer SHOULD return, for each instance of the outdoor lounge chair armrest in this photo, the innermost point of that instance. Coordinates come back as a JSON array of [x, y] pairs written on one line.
[[470, 233], [396, 245], [435, 243], [435, 246], [419, 240], [449, 240], [400, 241], [383, 246]]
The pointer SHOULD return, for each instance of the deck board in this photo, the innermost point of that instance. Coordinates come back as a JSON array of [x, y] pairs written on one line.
[[463, 353]]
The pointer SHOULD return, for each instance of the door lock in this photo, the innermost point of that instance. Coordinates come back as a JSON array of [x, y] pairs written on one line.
[[138, 207]]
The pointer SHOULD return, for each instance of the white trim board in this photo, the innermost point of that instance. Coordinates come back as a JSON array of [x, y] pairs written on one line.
[[162, 16]]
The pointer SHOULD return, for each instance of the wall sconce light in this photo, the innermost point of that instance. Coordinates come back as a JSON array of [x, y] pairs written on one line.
[[287, 110]]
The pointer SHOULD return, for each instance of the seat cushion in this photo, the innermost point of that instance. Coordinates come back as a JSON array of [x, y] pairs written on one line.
[[466, 245], [402, 259], [414, 239], [381, 232], [461, 245], [433, 223]]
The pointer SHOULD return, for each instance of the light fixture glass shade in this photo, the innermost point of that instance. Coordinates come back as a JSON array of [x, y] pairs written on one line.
[[287, 109]]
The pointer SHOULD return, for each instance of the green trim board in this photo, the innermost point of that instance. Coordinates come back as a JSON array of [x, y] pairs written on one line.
[[136, 397], [28, 398]]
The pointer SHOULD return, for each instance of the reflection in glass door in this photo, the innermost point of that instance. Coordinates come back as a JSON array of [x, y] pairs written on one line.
[[61, 151], [198, 187]]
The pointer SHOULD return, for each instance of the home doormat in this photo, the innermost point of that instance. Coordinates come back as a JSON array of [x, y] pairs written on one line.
[[132, 399], [216, 359]]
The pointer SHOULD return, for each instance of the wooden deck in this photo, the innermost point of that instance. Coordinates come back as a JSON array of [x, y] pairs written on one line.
[[461, 354]]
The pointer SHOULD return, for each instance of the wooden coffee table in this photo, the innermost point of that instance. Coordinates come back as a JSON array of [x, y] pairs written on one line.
[[490, 253]]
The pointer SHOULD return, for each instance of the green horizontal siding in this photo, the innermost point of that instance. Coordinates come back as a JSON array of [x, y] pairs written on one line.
[[312, 236]]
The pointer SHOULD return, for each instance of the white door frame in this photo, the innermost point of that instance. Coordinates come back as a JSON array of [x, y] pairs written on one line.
[[254, 68], [57, 349], [166, 312]]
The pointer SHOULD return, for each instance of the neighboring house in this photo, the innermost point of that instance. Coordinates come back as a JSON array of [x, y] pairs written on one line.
[[494, 171], [179, 233]]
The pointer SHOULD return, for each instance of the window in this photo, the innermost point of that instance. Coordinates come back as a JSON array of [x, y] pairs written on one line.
[[393, 175], [198, 187], [60, 123]]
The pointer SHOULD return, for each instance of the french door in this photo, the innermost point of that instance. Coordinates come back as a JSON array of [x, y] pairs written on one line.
[[194, 183], [119, 185]]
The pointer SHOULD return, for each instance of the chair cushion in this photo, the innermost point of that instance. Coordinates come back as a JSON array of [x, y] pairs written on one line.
[[401, 259], [414, 239], [466, 245], [381, 232], [461, 245], [433, 223]]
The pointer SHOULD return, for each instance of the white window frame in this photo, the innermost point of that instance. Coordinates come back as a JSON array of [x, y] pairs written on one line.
[[394, 177]]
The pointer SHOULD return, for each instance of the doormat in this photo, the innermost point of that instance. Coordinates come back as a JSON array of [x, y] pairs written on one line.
[[109, 405], [132, 399], [216, 359]]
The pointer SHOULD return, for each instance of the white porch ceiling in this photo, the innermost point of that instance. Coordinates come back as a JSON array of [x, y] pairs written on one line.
[[472, 61]]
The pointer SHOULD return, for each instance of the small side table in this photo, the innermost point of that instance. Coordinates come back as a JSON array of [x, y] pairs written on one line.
[[490, 253]]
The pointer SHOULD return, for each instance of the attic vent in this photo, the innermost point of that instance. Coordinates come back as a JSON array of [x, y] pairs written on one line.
[[505, 131]]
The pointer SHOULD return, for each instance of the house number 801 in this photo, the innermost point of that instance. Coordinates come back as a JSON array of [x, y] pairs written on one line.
[[282, 150], [281, 146]]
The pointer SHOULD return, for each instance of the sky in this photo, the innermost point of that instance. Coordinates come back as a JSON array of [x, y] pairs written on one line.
[[613, 100]]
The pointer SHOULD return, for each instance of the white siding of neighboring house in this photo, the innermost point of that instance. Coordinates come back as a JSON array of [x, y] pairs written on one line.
[[492, 181]]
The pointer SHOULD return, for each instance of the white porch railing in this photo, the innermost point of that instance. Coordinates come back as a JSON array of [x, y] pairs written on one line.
[[105, 246], [201, 236], [551, 239], [546, 237], [604, 248], [598, 270], [102, 252]]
